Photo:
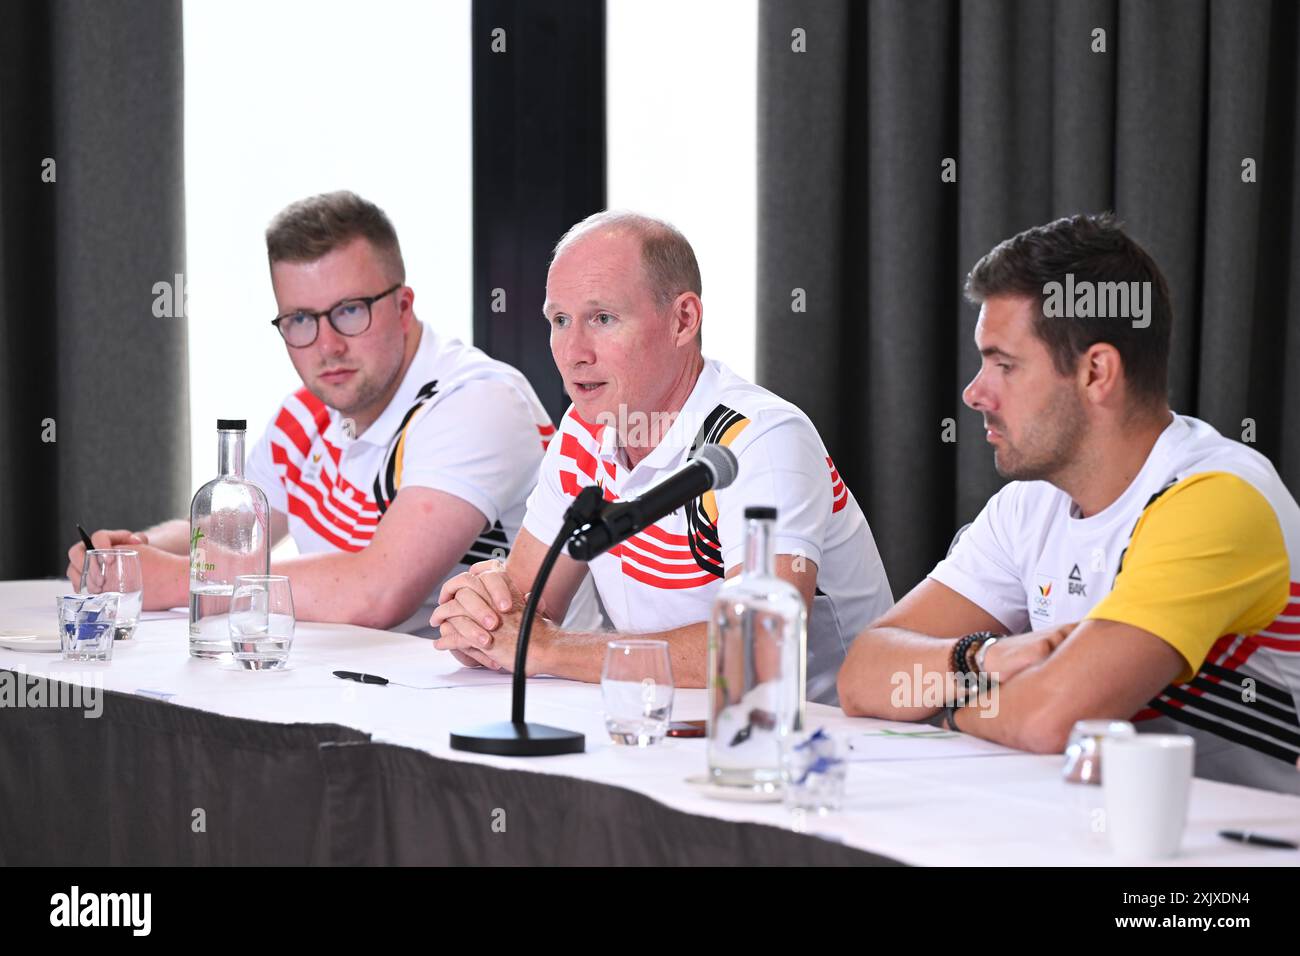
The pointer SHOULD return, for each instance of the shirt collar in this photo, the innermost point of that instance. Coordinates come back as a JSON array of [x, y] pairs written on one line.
[[677, 441], [1122, 507]]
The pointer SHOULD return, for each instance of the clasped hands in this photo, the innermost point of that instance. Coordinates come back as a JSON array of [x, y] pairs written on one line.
[[478, 617]]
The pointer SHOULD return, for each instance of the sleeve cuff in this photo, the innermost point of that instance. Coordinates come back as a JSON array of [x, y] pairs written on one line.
[[968, 588], [541, 529], [1153, 624], [781, 544]]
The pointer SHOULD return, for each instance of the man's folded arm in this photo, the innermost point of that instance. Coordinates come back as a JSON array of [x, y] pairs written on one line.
[[917, 632], [1104, 669], [1206, 559], [174, 536], [422, 536], [580, 656], [566, 577]]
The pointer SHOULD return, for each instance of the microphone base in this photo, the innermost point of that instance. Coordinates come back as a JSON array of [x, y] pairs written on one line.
[[508, 739]]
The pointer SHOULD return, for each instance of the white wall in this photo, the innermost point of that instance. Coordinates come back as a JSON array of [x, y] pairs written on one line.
[[272, 90], [683, 115]]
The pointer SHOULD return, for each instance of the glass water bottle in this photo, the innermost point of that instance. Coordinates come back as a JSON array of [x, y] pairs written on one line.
[[758, 634], [229, 536]]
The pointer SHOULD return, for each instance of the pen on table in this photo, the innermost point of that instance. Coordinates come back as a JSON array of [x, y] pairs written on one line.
[[90, 546], [361, 678], [1256, 839], [376, 679]]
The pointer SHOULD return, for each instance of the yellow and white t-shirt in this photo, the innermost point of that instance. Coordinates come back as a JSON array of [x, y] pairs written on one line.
[[1202, 550]]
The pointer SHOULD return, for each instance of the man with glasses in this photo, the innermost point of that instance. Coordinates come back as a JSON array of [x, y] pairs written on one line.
[[403, 459]]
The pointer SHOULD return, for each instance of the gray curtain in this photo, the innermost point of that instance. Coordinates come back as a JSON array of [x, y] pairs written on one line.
[[852, 210], [97, 88]]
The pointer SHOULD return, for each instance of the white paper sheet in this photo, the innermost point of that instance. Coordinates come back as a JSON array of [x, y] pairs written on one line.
[[901, 741]]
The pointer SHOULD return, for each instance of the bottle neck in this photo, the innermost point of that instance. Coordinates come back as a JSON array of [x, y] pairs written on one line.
[[758, 547], [230, 453]]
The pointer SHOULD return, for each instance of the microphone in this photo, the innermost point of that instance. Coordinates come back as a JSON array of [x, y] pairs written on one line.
[[712, 467]]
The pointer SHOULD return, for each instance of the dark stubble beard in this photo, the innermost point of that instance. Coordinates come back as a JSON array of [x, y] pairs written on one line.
[[1049, 443]]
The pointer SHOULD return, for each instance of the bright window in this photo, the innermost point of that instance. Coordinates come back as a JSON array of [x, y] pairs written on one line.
[[288, 98], [682, 103]]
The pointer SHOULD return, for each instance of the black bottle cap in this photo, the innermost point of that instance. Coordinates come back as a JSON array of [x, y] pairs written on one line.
[[232, 424], [757, 513]]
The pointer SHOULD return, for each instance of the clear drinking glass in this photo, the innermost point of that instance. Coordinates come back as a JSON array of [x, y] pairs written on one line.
[[1083, 752], [813, 772], [86, 626], [116, 570], [637, 685], [261, 621]]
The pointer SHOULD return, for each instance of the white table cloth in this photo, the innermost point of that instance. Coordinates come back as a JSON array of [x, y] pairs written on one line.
[[1001, 809]]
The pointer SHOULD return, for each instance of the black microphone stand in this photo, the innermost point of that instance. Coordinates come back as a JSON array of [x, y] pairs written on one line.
[[518, 738]]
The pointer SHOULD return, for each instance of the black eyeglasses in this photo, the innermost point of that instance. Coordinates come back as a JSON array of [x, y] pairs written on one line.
[[348, 317]]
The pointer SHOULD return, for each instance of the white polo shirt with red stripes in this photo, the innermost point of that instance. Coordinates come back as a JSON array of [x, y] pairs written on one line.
[[668, 575], [460, 422]]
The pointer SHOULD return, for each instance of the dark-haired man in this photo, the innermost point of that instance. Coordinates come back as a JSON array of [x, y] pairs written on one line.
[[403, 458], [1145, 566]]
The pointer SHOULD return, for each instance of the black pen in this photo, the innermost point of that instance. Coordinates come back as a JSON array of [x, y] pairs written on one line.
[[1255, 839], [361, 678], [90, 546], [382, 681]]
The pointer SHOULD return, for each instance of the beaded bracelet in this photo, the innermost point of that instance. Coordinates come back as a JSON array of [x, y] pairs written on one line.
[[958, 663]]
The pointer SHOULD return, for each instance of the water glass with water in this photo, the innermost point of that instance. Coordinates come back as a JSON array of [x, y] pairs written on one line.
[[261, 621], [637, 686], [116, 570]]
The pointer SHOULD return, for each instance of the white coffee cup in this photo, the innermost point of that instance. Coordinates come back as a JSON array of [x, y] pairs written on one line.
[[1147, 779]]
